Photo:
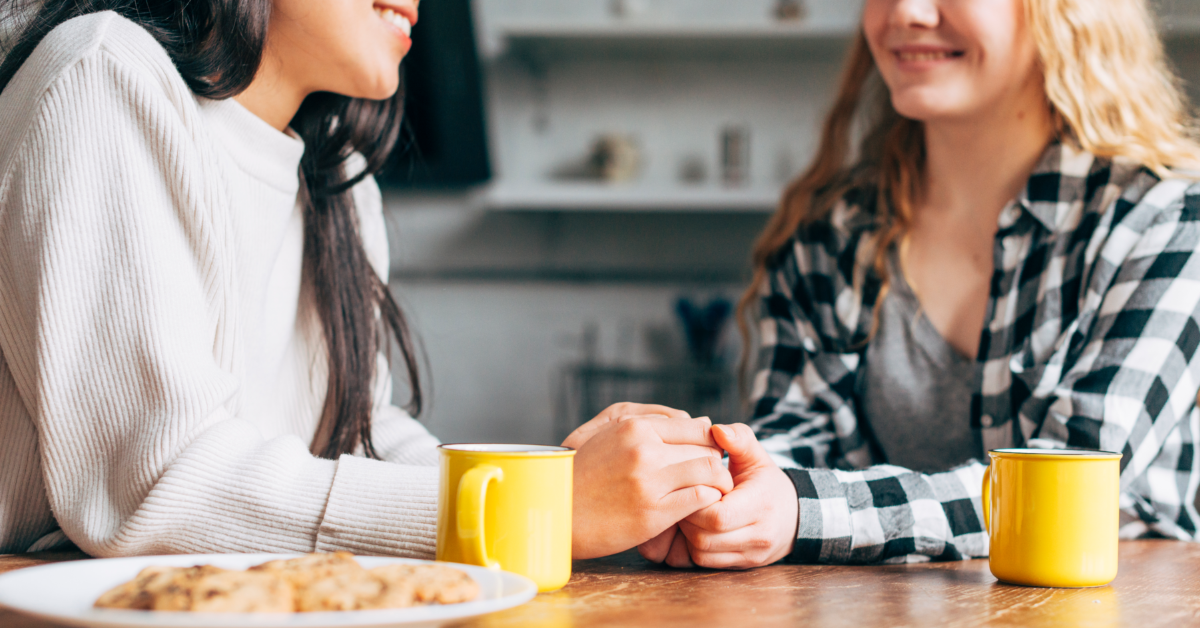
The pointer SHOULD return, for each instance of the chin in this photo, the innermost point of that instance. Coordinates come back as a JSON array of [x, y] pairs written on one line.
[[384, 94], [376, 80], [380, 89], [926, 107]]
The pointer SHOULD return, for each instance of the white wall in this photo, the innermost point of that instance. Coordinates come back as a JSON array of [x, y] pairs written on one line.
[[501, 301], [497, 348]]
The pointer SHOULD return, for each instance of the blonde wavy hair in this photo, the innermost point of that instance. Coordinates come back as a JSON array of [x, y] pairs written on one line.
[[1109, 88]]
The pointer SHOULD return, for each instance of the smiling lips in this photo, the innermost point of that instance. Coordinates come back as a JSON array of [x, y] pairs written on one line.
[[389, 15], [927, 56]]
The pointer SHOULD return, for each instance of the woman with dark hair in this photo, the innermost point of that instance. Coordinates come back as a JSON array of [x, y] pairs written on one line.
[[193, 306]]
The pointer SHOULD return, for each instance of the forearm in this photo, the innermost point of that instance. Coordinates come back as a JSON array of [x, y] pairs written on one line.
[[396, 436], [1159, 501], [886, 513], [400, 439], [231, 491]]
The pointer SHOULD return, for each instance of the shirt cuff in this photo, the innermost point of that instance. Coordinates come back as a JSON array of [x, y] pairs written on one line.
[[825, 533], [381, 509]]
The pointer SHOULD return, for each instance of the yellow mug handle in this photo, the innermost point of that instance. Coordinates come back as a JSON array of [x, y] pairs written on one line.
[[987, 498], [472, 502]]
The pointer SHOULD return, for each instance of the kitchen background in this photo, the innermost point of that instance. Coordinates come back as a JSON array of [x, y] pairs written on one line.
[[635, 150]]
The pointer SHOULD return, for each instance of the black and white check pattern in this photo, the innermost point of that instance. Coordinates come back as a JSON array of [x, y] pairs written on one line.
[[1090, 342]]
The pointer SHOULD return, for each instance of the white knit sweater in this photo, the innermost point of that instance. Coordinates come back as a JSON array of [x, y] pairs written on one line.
[[161, 366]]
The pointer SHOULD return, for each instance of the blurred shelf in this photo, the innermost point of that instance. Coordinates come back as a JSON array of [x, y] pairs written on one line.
[[556, 40], [588, 197], [550, 40]]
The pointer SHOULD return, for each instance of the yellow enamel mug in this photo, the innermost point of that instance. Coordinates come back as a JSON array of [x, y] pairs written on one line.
[[1052, 516], [507, 507]]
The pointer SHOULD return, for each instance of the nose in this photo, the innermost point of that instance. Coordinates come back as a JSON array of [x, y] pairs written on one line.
[[915, 14]]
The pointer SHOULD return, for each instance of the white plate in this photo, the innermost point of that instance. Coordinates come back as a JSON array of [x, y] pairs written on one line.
[[65, 592]]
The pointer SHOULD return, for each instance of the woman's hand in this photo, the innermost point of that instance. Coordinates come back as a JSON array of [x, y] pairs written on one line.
[[754, 524], [671, 543], [615, 414], [636, 477]]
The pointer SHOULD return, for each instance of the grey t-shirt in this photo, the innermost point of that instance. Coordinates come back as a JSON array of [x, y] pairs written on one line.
[[915, 388]]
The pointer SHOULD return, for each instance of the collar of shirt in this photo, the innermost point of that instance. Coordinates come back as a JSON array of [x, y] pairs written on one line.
[[1056, 190]]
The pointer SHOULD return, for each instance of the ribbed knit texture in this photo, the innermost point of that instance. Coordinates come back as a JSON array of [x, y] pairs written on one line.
[[161, 364]]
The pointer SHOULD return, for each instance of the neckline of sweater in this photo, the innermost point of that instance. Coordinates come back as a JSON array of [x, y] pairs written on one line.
[[259, 149]]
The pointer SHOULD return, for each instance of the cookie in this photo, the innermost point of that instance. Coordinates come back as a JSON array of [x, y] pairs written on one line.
[[433, 584], [305, 570], [312, 583], [354, 592], [228, 592], [139, 593]]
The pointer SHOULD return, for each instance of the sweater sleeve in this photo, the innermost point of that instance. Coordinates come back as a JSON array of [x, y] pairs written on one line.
[[116, 319], [397, 436]]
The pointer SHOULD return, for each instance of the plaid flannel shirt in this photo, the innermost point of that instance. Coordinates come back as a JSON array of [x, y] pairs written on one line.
[[1089, 342]]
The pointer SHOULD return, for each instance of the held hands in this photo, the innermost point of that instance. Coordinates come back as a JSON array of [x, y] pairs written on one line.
[[615, 414], [640, 469], [753, 525]]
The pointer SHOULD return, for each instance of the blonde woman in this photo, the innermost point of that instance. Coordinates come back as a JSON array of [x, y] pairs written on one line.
[[1008, 260]]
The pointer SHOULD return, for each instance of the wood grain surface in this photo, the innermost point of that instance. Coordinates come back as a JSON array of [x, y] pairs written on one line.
[[1159, 585]]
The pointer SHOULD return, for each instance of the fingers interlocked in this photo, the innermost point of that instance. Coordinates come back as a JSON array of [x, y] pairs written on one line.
[[752, 525], [638, 473]]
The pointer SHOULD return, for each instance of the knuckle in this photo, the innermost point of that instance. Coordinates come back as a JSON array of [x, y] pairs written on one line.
[[701, 542], [719, 520], [701, 494], [709, 466], [702, 467], [641, 492], [707, 561], [638, 456], [635, 425], [716, 468], [630, 432], [621, 411]]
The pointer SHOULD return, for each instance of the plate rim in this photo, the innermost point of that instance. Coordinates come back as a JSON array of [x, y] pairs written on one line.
[[526, 590]]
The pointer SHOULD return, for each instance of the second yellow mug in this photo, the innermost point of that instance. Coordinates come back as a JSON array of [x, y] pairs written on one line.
[[1052, 516], [507, 507]]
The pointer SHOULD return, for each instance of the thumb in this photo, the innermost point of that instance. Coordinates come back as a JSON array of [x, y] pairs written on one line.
[[739, 441]]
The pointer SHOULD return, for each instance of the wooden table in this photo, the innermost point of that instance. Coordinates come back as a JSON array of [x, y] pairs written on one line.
[[1159, 585]]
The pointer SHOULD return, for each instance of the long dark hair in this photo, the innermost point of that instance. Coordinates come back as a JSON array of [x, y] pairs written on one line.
[[217, 46]]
